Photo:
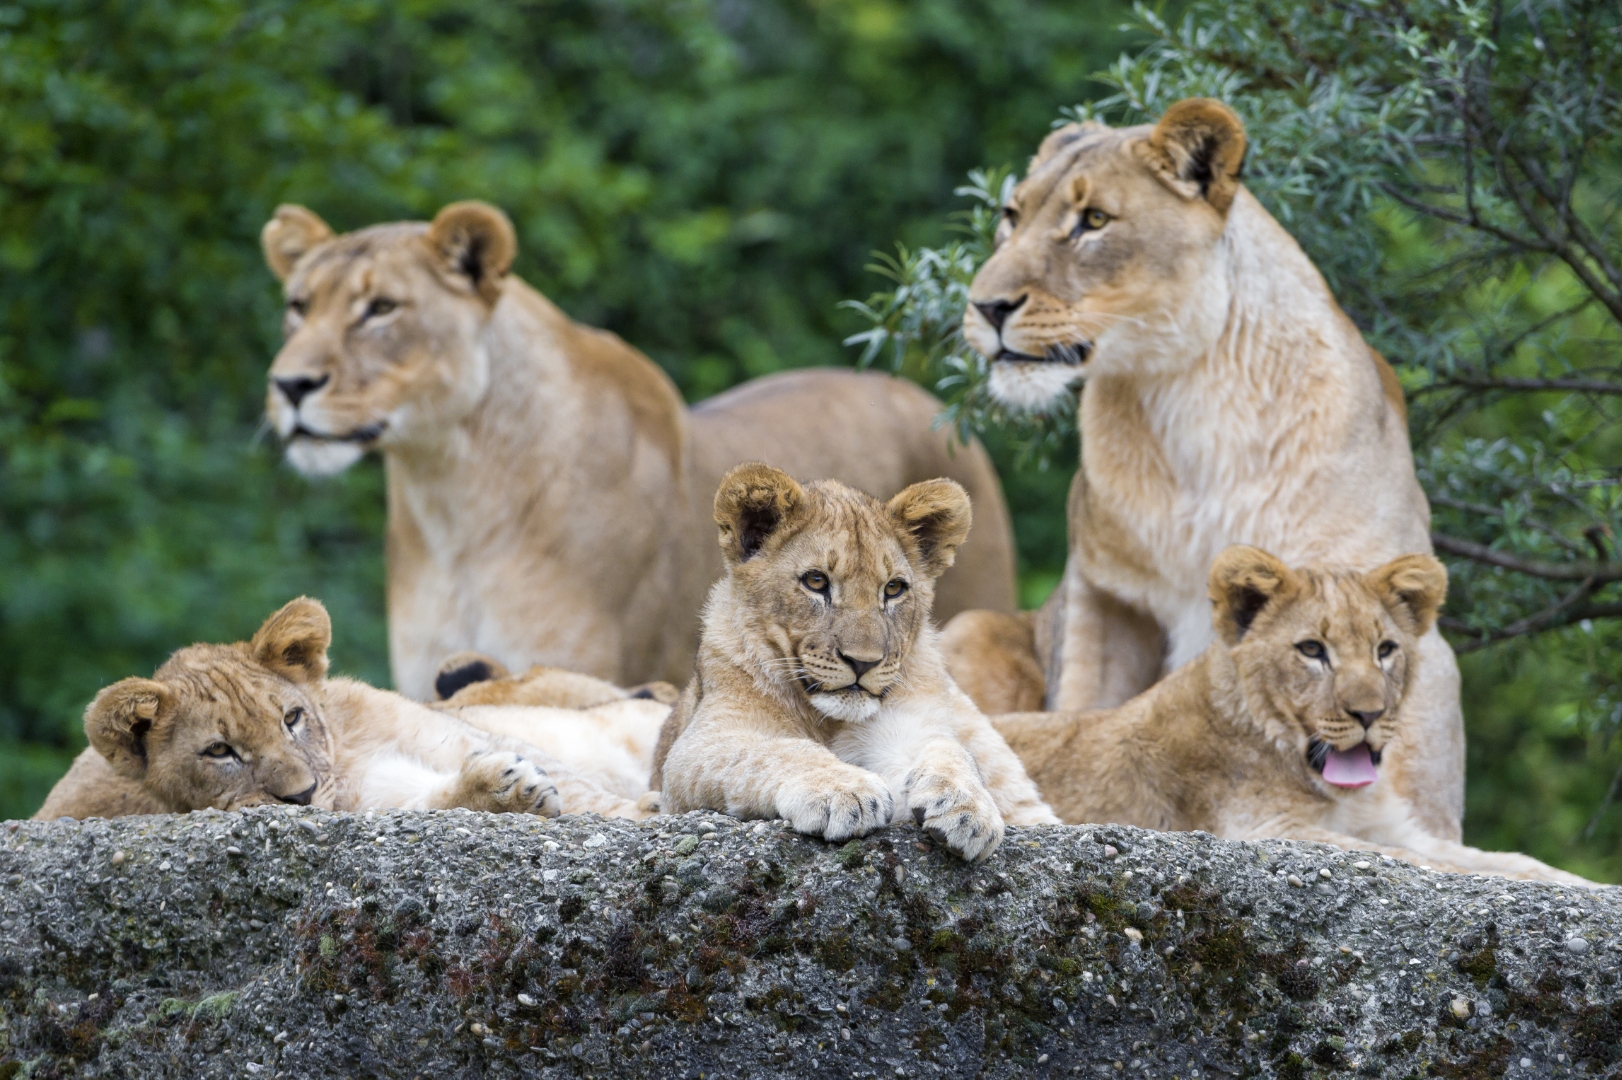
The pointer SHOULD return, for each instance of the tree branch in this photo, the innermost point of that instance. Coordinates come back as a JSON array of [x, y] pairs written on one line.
[[1565, 613], [1578, 386], [1587, 570]]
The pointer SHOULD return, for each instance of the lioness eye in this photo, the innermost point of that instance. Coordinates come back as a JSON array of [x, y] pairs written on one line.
[[380, 306], [1090, 219], [298, 307], [1010, 215], [1312, 650], [815, 580], [895, 588], [294, 715], [1387, 648], [219, 750]]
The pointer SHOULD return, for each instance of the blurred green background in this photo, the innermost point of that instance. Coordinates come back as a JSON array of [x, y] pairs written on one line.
[[708, 179]]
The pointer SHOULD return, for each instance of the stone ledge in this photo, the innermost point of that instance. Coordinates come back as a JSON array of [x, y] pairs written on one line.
[[305, 944]]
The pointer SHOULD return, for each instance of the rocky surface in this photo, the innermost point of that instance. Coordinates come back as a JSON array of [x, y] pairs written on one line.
[[292, 943]]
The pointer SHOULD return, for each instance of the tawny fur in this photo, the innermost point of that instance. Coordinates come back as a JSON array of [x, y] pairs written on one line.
[[1226, 398], [820, 695], [257, 722], [548, 490], [1223, 743], [540, 685]]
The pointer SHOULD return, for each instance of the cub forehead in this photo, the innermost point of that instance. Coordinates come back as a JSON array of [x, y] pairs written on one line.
[[850, 533], [221, 682], [1341, 606]]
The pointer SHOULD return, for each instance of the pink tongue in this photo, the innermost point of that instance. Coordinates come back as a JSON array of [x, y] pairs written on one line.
[[1350, 768]]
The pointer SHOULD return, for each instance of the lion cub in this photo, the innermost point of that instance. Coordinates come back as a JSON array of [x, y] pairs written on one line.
[[1288, 725], [819, 694], [257, 722]]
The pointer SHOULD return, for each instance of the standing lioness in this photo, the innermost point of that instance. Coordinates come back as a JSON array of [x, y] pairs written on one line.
[[548, 489], [819, 695]]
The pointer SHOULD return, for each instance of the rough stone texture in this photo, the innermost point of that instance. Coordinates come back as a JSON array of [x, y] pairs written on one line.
[[304, 944]]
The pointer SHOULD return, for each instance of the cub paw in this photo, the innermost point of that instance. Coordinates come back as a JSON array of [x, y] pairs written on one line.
[[505, 783], [964, 818], [839, 807]]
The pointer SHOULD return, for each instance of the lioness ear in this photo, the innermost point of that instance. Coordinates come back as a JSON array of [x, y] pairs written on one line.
[[937, 515], [293, 642], [1243, 581], [117, 722], [1059, 138], [752, 502], [287, 236], [476, 241], [1412, 587], [1198, 148]]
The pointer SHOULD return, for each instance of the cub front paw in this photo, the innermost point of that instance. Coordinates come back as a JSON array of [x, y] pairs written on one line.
[[838, 807], [963, 817], [505, 783]]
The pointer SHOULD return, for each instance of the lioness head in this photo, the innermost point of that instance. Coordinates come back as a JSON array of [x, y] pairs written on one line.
[[1323, 657], [383, 329], [227, 726], [834, 586], [1107, 258]]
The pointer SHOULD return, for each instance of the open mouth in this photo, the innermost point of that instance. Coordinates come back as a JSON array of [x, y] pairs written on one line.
[[1352, 768], [1074, 355], [364, 434]]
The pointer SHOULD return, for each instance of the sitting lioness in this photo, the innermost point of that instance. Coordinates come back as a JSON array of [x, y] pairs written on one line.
[[819, 694], [1226, 399], [231, 726], [548, 489], [1284, 727]]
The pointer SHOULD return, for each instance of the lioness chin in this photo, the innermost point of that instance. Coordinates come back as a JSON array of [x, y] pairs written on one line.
[[1284, 727], [819, 695]]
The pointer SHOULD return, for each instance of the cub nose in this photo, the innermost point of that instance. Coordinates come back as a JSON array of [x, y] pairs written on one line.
[[997, 311], [1366, 717], [860, 667], [299, 798], [299, 387]]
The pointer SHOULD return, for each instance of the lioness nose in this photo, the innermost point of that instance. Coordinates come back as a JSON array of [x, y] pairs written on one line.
[[299, 798], [860, 667], [299, 387], [1366, 717], [997, 311]]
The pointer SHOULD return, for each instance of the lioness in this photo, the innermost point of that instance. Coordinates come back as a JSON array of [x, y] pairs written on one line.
[[548, 490], [1226, 399], [230, 726], [1283, 727], [819, 694]]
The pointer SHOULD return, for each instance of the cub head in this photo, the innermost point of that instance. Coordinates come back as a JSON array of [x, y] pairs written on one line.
[[1324, 657], [227, 726], [383, 329], [833, 587], [1107, 257]]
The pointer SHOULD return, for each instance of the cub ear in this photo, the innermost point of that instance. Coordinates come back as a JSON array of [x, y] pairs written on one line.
[[476, 241], [118, 720], [1198, 148], [1412, 587], [937, 515], [1243, 581], [287, 236], [1059, 138], [293, 642], [753, 502]]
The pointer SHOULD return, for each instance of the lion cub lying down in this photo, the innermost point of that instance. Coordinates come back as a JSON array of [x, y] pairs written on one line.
[[1286, 726], [257, 722], [819, 694]]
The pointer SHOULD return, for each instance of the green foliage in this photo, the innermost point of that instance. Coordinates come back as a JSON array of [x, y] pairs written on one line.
[[704, 178]]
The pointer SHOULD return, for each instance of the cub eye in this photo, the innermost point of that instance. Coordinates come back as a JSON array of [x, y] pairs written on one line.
[[219, 751], [1089, 220], [298, 307], [815, 580], [294, 715], [1386, 649], [380, 306], [893, 589], [1312, 650]]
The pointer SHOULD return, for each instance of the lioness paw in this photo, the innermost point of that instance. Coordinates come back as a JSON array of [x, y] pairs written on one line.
[[505, 783], [853, 804], [963, 817]]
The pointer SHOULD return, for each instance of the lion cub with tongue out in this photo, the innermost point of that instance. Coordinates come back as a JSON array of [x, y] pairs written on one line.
[[820, 695], [1287, 726]]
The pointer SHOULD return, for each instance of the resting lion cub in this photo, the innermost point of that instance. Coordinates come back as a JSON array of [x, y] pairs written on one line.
[[1279, 729], [257, 722], [819, 694]]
